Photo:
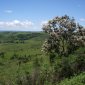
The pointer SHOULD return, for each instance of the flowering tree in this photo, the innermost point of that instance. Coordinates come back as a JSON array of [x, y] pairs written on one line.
[[65, 36]]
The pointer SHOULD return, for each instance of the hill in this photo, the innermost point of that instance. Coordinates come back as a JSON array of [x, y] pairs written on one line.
[[23, 63]]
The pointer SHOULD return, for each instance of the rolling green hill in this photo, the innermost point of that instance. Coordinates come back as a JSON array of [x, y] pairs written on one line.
[[23, 63]]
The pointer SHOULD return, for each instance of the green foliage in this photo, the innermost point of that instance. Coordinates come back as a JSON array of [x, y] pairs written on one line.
[[76, 80], [63, 69], [17, 59]]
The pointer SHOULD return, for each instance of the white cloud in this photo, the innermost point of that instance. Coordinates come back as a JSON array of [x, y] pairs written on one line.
[[44, 22], [16, 24], [8, 11], [82, 19]]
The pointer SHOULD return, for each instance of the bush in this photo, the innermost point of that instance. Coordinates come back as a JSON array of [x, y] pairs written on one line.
[[62, 69]]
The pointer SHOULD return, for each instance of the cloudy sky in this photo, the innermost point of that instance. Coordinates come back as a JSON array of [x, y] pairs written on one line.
[[29, 15]]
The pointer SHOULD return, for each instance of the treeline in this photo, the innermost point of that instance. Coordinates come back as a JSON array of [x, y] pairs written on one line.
[[18, 37]]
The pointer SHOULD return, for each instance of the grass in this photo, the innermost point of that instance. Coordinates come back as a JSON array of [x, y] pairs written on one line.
[[76, 80], [31, 48]]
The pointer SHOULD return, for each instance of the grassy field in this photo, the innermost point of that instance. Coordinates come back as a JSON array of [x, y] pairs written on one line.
[[16, 52]]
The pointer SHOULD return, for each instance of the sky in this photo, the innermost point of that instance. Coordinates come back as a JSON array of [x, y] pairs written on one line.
[[30, 15]]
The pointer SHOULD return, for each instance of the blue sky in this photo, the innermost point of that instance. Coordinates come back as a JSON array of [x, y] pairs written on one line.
[[29, 15]]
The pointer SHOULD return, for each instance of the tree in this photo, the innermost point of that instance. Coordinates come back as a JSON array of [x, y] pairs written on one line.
[[65, 36]]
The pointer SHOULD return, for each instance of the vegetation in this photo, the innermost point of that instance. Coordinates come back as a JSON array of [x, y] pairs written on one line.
[[23, 63], [76, 80], [65, 36]]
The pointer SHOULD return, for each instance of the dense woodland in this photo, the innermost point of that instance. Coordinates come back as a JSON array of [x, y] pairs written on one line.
[[39, 58]]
